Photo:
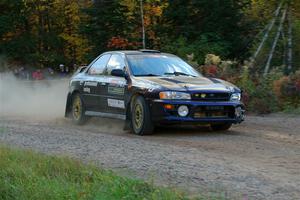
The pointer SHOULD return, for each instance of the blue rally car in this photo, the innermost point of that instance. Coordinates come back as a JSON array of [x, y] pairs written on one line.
[[148, 88]]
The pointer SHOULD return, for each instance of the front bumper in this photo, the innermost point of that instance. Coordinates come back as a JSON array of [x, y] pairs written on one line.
[[233, 112]]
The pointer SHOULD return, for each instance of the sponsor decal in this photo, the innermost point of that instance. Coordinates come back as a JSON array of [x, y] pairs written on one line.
[[116, 103], [91, 83], [172, 80], [115, 90], [87, 90], [115, 82]]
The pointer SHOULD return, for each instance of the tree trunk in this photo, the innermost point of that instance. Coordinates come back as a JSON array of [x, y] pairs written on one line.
[[290, 43], [270, 26], [275, 43]]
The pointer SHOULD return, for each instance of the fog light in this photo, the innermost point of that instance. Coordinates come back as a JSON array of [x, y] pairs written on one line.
[[183, 111]]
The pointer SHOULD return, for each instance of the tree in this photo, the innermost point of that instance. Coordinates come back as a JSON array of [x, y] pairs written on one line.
[[106, 20], [42, 32], [76, 46], [16, 40], [213, 26]]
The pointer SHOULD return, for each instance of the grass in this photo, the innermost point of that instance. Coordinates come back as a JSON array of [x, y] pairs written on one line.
[[1, 130], [292, 110], [28, 175]]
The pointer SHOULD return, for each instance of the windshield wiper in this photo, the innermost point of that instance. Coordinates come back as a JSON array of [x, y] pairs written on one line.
[[178, 74], [147, 75]]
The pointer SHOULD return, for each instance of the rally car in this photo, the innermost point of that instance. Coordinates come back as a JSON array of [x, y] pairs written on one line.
[[147, 88]]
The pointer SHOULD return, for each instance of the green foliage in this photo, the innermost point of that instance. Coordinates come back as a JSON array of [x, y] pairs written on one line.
[[199, 47], [271, 93], [215, 26], [263, 99], [296, 33], [105, 21], [28, 175], [51, 32], [287, 90], [179, 47], [47, 33], [246, 83], [296, 55], [41, 32], [258, 94], [290, 109], [3, 64]]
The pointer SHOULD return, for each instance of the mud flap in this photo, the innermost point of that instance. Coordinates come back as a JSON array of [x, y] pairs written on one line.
[[127, 124], [68, 105]]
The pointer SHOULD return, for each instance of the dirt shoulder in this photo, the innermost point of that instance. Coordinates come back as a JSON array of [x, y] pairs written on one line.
[[259, 159]]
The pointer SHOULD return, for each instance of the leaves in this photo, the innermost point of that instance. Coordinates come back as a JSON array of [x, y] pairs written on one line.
[[43, 32], [48, 32]]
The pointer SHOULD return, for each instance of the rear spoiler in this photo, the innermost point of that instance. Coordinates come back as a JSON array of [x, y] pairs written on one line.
[[149, 51]]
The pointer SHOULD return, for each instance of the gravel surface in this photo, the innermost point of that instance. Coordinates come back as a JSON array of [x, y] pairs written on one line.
[[259, 159]]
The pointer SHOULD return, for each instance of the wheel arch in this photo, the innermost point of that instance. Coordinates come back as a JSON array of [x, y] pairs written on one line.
[[69, 103], [128, 103], [146, 126]]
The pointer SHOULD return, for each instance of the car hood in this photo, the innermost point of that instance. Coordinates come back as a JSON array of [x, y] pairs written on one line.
[[186, 83]]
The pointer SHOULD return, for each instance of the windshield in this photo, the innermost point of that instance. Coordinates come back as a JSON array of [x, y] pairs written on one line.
[[159, 65]]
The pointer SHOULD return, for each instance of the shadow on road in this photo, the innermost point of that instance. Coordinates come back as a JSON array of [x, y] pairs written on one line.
[[183, 131], [115, 127]]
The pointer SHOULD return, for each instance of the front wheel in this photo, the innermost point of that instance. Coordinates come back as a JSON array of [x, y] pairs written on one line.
[[78, 110], [141, 123], [220, 127]]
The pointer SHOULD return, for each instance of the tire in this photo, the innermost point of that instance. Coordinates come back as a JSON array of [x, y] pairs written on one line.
[[221, 127], [78, 110], [141, 123]]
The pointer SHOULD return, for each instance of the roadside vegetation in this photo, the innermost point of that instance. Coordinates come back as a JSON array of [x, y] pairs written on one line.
[[45, 34], [28, 175], [275, 92], [252, 43]]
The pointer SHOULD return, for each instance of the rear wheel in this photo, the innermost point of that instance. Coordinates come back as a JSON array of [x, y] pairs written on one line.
[[78, 110], [141, 123], [220, 127]]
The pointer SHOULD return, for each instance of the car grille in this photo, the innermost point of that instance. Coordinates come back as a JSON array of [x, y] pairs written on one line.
[[217, 96], [214, 112]]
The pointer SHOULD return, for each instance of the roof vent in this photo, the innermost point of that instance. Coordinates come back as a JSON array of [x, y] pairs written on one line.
[[149, 51]]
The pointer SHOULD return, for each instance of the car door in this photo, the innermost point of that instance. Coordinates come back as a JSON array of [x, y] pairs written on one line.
[[94, 85], [116, 87]]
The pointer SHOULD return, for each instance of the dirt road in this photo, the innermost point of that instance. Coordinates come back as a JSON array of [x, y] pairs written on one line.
[[259, 159]]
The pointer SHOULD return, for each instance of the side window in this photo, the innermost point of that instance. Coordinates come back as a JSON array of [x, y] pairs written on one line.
[[115, 62], [98, 67]]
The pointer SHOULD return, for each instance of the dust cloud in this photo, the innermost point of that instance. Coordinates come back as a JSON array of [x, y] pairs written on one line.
[[43, 100], [32, 99]]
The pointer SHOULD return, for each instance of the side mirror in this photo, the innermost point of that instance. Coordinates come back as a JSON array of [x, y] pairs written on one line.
[[118, 72], [82, 68]]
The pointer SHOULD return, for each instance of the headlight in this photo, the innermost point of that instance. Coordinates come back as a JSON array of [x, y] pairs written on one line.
[[235, 97], [174, 95]]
